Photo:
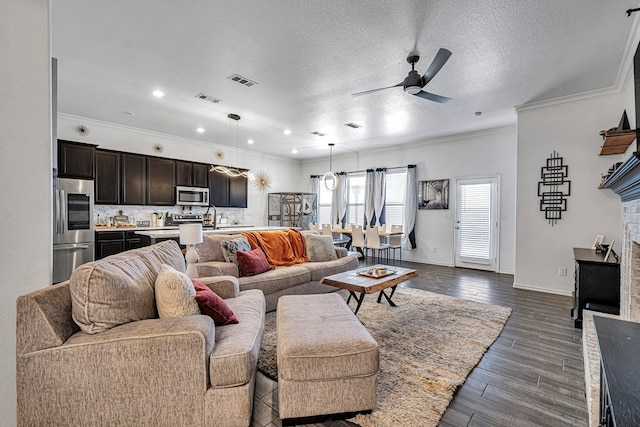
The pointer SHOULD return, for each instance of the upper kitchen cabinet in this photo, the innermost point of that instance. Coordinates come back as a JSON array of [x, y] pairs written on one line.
[[238, 192], [225, 191], [134, 179], [191, 174], [75, 160], [107, 184], [161, 181], [200, 175]]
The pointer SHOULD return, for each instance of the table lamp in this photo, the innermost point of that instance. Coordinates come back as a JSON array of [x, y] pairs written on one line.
[[190, 234]]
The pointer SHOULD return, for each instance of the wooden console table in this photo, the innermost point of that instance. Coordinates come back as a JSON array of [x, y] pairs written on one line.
[[597, 283], [619, 343]]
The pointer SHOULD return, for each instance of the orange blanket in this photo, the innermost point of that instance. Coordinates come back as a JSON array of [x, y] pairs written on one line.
[[282, 247]]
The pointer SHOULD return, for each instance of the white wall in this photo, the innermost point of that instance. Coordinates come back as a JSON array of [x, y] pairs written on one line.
[[25, 173], [572, 129], [283, 172], [469, 155]]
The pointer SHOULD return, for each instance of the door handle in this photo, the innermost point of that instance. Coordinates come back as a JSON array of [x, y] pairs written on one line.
[[69, 246], [63, 211]]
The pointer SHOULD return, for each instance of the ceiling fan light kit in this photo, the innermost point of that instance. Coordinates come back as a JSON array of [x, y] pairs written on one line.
[[413, 83]]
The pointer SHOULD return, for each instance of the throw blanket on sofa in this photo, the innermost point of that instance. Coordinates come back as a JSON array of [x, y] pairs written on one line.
[[282, 247]]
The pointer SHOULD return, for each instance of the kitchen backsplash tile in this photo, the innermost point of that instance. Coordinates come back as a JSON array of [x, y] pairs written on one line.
[[101, 213]]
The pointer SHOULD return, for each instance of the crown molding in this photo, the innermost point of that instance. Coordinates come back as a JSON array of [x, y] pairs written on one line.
[[208, 145]]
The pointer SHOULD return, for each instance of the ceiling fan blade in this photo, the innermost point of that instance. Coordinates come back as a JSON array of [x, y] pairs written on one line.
[[375, 90], [432, 97], [438, 62]]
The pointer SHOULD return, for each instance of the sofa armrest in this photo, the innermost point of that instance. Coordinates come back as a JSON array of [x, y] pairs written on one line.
[[341, 252], [158, 369], [217, 268], [224, 286]]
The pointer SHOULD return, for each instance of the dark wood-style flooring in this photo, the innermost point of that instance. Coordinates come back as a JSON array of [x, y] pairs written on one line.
[[531, 376]]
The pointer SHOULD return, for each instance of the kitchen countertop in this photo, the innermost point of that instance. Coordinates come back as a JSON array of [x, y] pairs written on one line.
[[163, 234], [170, 228]]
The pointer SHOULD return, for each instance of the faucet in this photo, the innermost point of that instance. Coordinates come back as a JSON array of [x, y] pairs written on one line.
[[215, 220]]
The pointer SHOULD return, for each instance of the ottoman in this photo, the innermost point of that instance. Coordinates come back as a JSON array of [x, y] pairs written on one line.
[[327, 360]]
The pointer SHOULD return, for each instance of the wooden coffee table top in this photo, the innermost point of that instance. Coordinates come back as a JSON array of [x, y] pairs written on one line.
[[352, 281]]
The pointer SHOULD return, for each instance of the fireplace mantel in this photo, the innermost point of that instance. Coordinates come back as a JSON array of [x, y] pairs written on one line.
[[625, 181]]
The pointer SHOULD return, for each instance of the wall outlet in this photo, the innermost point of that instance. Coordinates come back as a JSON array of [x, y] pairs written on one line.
[[434, 250], [562, 271]]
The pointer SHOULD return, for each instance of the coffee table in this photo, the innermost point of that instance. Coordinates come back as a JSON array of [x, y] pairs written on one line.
[[360, 284]]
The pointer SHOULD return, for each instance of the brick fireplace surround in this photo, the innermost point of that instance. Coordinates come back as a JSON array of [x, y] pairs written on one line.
[[629, 304]]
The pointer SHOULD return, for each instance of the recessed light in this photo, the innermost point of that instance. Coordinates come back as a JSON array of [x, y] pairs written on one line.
[[287, 132], [200, 130], [294, 151], [250, 141], [158, 93]]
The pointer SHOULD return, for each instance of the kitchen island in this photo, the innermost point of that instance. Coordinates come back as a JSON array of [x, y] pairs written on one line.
[[150, 237]]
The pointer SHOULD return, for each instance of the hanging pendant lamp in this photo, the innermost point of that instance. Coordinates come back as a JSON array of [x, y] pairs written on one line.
[[330, 178], [232, 172]]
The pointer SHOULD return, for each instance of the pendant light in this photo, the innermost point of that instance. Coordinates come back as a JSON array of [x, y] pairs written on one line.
[[330, 178], [232, 172]]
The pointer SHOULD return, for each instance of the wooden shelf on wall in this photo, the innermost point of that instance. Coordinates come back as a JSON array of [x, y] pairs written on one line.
[[617, 141]]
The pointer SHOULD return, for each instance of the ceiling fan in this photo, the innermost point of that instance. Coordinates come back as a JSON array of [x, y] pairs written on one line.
[[413, 83]]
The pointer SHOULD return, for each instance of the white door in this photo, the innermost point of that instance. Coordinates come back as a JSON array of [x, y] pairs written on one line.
[[476, 224]]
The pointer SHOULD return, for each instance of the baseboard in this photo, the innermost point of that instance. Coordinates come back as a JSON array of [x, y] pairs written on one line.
[[545, 290]]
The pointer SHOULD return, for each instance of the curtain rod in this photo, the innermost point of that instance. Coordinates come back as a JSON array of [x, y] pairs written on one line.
[[365, 170]]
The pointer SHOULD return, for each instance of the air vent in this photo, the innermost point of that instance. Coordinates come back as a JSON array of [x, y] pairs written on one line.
[[209, 98], [353, 125], [315, 132], [242, 80]]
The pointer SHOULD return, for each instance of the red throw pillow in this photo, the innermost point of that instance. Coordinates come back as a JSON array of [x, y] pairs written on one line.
[[213, 306], [252, 262]]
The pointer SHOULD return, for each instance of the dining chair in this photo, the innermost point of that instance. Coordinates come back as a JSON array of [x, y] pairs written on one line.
[[395, 241], [357, 240], [373, 242], [313, 227], [338, 240]]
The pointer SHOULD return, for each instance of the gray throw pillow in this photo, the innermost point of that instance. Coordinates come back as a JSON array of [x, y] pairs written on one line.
[[230, 248], [319, 247]]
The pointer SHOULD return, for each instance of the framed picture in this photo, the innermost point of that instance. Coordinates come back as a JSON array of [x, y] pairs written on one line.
[[606, 257], [598, 241], [433, 194]]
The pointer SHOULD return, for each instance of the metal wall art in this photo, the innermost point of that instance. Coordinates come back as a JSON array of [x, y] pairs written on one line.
[[554, 188]]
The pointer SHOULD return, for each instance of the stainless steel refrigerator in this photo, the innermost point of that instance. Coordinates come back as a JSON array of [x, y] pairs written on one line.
[[73, 230]]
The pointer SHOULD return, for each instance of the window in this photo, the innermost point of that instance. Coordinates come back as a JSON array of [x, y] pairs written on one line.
[[355, 198], [395, 198], [324, 204]]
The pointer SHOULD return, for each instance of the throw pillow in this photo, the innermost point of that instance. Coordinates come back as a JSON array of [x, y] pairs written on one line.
[[319, 247], [231, 247], [213, 306], [175, 294], [252, 262]]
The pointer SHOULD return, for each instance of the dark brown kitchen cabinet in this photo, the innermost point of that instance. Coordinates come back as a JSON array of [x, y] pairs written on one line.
[[132, 240], [107, 183], [218, 189], [238, 192], [134, 182], [161, 181], [114, 242], [75, 160], [200, 175], [190, 174]]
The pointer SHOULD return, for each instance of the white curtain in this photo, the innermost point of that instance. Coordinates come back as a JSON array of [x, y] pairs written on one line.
[[410, 208], [379, 193], [369, 198], [339, 200]]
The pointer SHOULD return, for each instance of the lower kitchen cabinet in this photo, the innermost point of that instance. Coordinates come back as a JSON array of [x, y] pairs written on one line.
[[114, 242]]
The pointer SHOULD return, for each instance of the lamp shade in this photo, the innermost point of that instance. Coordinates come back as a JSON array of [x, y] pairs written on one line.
[[190, 234]]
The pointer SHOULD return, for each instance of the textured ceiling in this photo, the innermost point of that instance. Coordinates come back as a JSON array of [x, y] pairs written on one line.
[[309, 56]]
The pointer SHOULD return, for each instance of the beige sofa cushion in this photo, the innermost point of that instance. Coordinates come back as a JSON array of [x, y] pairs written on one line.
[[234, 357], [120, 288], [319, 247], [175, 294], [318, 270], [276, 280], [210, 249]]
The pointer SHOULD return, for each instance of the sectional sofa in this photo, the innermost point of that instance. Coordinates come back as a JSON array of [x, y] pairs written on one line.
[[297, 279]]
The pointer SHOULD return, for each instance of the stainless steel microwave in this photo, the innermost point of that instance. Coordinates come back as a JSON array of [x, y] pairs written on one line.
[[192, 196]]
